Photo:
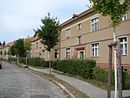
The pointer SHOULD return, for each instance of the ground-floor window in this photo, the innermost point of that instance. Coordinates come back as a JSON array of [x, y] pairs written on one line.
[[123, 45], [68, 53], [81, 54], [56, 54], [95, 50]]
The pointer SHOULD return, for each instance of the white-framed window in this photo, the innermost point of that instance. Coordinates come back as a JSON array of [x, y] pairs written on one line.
[[79, 40], [68, 33], [95, 24], [81, 54], [68, 53], [56, 54], [124, 17], [79, 26], [123, 45], [95, 49]]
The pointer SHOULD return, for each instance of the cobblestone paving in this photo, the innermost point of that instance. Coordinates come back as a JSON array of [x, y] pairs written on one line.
[[18, 83]]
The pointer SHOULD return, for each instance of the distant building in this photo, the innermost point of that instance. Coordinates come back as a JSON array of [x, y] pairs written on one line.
[[5, 50], [1, 51], [38, 49]]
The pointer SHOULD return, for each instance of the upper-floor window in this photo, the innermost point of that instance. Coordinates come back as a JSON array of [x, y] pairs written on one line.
[[95, 24], [36, 44], [123, 45], [124, 17], [79, 39], [79, 26], [68, 34], [95, 50], [68, 53]]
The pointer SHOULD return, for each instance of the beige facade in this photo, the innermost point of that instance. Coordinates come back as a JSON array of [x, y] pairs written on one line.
[[88, 34], [38, 49], [1, 52], [4, 50]]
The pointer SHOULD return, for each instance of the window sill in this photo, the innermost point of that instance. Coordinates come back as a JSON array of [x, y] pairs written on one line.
[[96, 57], [123, 54]]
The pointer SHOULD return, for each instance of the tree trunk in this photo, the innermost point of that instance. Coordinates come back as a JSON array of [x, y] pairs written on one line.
[[18, 59], [119, 73], [26, 58], [115, 61], [49, 63], [110, 72]]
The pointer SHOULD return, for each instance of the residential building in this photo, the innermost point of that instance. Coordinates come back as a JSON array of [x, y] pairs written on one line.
[[87, 35], [1, 51], [5, 50], [38, 49]]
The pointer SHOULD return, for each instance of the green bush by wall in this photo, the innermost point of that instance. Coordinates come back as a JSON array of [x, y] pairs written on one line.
[[100, 74], [82, 68]]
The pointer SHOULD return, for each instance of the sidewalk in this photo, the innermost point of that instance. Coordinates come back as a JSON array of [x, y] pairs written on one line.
[[86, 88]]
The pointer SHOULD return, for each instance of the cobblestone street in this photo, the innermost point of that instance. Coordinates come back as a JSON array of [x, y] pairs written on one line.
[[18, 83]]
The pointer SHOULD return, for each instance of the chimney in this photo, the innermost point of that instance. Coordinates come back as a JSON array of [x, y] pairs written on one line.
[[75, 15]]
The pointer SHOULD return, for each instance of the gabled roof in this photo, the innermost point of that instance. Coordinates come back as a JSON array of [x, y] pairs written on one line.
[[34, 38], [76, 16], [10, 44]]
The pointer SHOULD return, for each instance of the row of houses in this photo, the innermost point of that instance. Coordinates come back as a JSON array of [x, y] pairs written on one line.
[[5, 50], [86, 35]]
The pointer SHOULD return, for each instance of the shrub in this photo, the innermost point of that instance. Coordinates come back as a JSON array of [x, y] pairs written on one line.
[[100, 74], [22, 60], [83, 68], [31, 61], [12, 59], [37, 62]]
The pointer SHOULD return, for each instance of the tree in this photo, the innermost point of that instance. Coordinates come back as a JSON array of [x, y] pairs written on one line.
[[27, 44], [13, 50], [27, 47], [49, 32], [3, 43], [114, 9], [19, 48]]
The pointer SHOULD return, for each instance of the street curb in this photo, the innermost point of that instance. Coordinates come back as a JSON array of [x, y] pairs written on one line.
[[58, 84], [64, 88]]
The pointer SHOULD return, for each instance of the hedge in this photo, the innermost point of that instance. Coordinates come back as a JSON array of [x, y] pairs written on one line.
[[102, 76], [31, 61], [82, 68]]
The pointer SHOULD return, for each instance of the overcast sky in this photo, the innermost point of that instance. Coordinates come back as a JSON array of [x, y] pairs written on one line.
[[18, 18]]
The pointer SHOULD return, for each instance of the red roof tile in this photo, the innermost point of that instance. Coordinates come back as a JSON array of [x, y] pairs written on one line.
[[1, 47], [10, 44], [34, 38]]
